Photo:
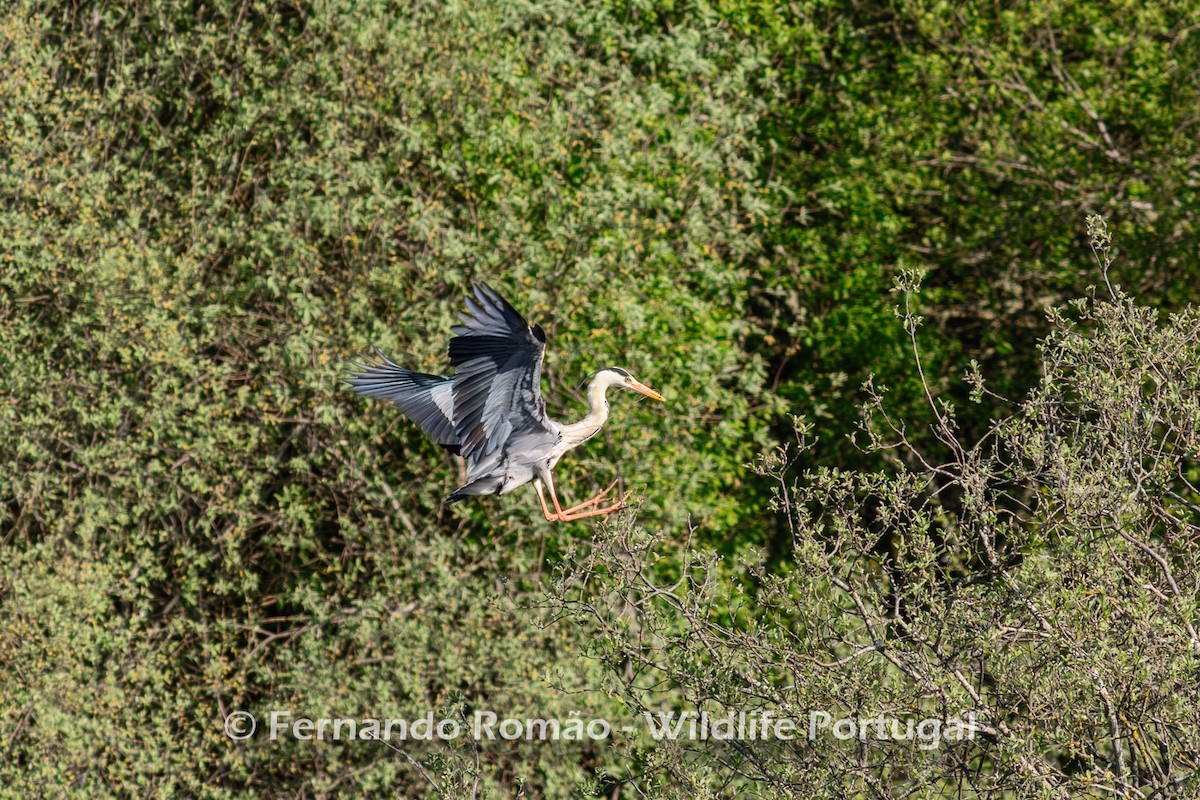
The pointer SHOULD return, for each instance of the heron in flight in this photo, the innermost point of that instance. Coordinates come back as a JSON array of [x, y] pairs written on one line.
[[491, 411]]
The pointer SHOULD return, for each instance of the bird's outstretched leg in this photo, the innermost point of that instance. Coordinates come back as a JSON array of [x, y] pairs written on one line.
[[617, 505], [582, 510], [593, 501]]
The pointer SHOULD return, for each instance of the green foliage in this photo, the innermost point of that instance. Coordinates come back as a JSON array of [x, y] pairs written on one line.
[[970, 143], [206, 210], [1043, 583], [205, 214]]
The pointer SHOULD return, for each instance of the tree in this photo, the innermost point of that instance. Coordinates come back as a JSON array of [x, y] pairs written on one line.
[[1041, 583]]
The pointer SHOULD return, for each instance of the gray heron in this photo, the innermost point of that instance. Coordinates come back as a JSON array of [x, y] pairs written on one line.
[[491, 411]]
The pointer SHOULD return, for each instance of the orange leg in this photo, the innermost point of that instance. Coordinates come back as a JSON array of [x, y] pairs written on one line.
[[582, 510], [593, 501]]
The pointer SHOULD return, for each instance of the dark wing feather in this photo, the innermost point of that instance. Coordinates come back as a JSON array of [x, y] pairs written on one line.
[[497, 383], [427, 400]]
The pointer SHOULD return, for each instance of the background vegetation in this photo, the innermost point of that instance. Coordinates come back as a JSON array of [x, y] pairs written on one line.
[[205, 210]]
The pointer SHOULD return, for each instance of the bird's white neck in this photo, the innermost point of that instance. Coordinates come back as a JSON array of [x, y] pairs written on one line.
[[578, 432]]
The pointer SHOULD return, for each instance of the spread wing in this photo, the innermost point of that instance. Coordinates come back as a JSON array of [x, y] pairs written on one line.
[[497, 383], [428, 400]]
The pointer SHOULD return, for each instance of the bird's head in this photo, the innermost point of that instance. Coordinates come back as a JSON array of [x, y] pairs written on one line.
[[620, 378]]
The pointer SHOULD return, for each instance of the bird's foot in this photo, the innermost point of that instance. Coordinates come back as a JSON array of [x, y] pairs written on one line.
[[594, 501], [587, 509], [615, 482], [570, 515]]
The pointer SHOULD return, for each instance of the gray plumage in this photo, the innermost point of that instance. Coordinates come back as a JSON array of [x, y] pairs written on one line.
[[491, 411]]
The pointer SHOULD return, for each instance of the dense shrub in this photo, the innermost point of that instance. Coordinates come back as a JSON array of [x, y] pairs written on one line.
[[206, 212], [207, 209], [969, 143], [1042, 585]]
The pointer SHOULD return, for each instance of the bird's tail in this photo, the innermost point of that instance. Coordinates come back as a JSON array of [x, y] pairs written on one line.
[[427, 400], [489, 484]]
